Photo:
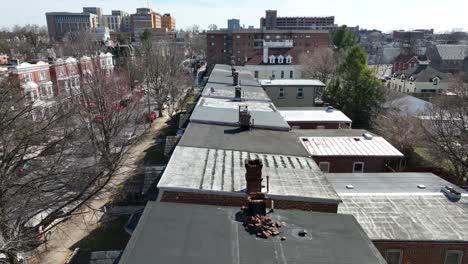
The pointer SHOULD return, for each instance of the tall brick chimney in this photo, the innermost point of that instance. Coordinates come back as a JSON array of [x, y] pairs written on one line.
[[235, 78], [244, 118], [253, 175]]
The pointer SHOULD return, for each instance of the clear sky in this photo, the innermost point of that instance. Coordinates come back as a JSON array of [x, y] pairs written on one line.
[[385, 15]]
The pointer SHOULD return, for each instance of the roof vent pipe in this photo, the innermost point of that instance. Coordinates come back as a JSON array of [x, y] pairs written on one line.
[[253, 175], [244, 118]]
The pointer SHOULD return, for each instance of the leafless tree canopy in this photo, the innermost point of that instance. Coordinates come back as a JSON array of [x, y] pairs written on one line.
[[51, 166], [321, 65], [446, 130], [164, 76], [26, 42]]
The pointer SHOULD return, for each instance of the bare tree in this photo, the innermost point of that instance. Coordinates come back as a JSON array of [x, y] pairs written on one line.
[[52, 166], [28, 42], [77, 44], [446, 130], [321, 64], [162, 63]]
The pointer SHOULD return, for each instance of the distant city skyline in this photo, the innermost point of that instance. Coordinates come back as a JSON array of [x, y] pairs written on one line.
[[368, 14]]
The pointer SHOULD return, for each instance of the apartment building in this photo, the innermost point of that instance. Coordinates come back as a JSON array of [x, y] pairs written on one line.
[[144, 19], [117, 21], [60, 23], [272, 21], [244, 45], [168, 22]]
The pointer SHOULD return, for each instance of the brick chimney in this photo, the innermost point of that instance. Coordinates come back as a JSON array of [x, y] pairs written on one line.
[[253, 175], [244, 118], [235, 78]]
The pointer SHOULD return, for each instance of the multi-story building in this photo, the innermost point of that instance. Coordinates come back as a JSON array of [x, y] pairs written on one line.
[[118, 21], [168, 22], [246, 44], [272, 21], [65, 76], [60, 23], [144, 19], [294, 93], [94, 10], [35, 81]]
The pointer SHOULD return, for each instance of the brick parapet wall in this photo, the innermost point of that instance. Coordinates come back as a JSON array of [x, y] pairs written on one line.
[[223, 200]]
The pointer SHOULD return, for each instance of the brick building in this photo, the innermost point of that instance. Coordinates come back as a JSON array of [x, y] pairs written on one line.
[[244, 45], [272, 21], [35, 80], [407, 216], [350, 150], [65, 76], [232, 123], [168, 22], [60, 23]]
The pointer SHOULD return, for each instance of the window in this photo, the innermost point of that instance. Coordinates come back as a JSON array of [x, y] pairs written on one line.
[[300, 92], [238, 36], [453, 257], [282, 74], [288, 59], [28, 77], [267, 37], [278, 36], [281, 93], [307, 36], [256, 74], [42, 75], [291, 74], [72, 70], [393, 256], [358, 167], [212, 43], [272, 59], [324, 166], [280, 59]]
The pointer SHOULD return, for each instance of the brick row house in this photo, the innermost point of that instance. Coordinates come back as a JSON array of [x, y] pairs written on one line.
[[44, 82]]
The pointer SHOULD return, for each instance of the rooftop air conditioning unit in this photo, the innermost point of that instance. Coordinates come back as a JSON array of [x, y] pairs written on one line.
[[367, 136]]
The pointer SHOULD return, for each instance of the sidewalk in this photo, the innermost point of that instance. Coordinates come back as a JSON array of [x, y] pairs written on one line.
[[78, 227]]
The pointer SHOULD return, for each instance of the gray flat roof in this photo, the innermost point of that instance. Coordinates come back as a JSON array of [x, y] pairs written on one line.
[[222, 74], [222, 172], [292, 82], [230, 117], [389, 183], [198, 234], [226, 91], [390, 206], [409, 218], [231, 138]]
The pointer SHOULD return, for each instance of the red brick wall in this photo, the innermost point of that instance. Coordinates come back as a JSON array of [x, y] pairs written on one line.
[[345, 164], [223, 200], [423, 253]]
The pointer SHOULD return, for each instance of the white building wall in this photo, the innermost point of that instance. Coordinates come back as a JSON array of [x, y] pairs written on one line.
[[266, 72], [416, 87]]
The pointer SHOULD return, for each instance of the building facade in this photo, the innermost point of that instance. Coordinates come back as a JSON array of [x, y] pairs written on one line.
[[60, 23], [448, 58], [272, 21], [245, 44], [168, 22], [420, 79], [144, 19], [293, 93], [65, 76]]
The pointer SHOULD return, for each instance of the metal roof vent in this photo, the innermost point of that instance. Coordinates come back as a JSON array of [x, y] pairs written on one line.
[[350, 187], [357, 139], [212, 90], [367, 136], [305, 139], [421, 186], [451, 193], [329, 109]]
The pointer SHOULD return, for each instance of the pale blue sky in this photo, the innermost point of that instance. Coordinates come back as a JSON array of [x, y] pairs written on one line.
[[385, 15]]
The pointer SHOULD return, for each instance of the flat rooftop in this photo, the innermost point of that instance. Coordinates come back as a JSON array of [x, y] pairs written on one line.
[[313, 115], [226, 112], [292, 82], [350, 146], [227, 91], [391, 207], [221, 171], [399, 183], [232, 138], [180, 233]]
